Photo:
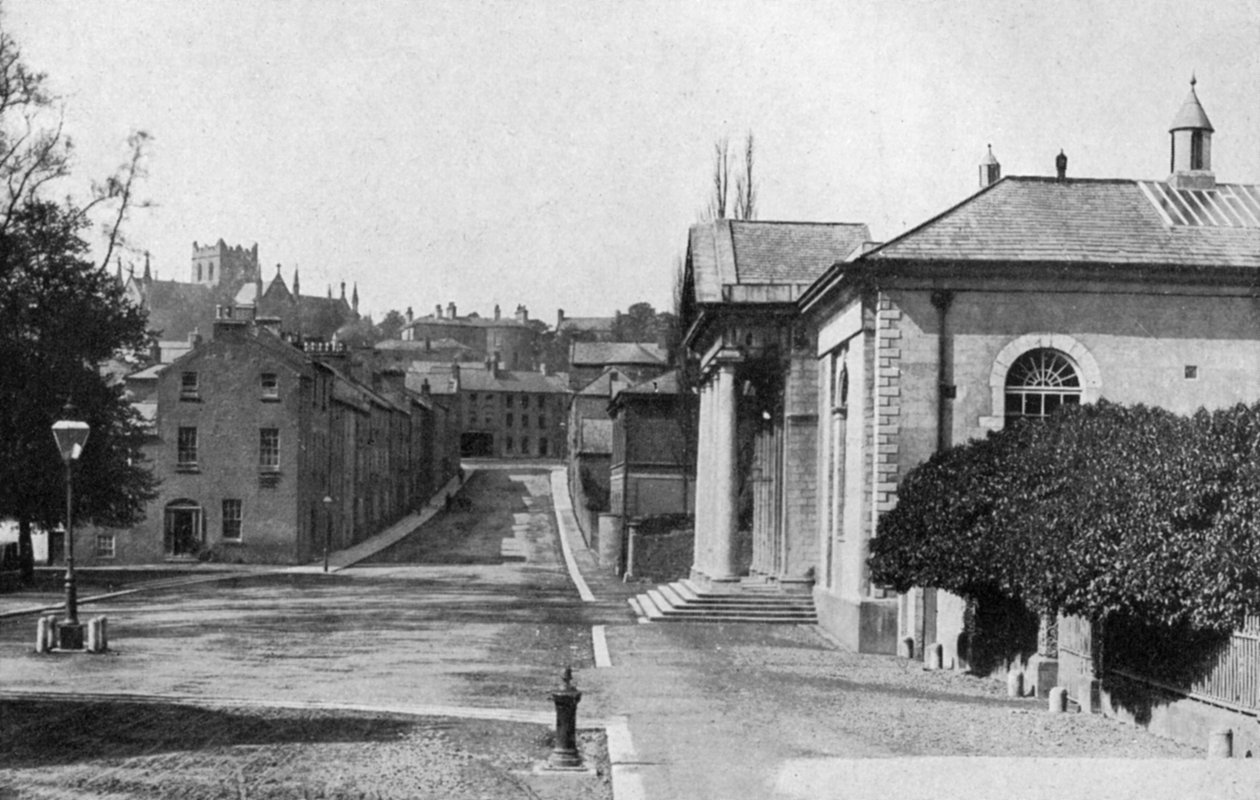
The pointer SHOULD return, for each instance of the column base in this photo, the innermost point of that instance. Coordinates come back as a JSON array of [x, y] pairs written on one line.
[[70, 635], [863, 625], [712, 583]]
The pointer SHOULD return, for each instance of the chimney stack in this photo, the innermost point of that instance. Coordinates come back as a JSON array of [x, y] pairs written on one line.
[[437, 311], [559, 318], [410, 315], [450, 309], [1060, 166], [497, 311]]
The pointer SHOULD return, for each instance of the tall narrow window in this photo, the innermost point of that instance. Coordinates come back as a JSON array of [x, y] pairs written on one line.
[[1196, 150], [542, 447], [188, 384], [269, 449], [1039, 382], [232, 520], [186, 448], [270, 386]]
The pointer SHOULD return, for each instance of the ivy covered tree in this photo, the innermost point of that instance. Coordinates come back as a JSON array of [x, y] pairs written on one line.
[[61, 317], [1099, 510]]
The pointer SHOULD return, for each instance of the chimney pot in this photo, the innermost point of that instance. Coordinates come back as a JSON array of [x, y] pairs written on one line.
[[1060, 165]]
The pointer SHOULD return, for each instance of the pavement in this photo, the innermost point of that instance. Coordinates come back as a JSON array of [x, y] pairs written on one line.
[[690, 710]]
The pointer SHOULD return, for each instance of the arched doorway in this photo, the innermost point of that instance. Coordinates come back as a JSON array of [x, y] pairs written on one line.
[[183, 527]]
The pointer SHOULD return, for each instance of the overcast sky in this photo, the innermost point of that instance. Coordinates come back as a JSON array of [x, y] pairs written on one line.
[[555, 153]]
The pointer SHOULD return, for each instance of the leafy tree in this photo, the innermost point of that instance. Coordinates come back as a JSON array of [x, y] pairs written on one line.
[[60, 317], [636, 324], [1101, 510], [391, 326]]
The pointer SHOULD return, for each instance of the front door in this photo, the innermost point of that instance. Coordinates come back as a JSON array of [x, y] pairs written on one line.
[[183, 530]]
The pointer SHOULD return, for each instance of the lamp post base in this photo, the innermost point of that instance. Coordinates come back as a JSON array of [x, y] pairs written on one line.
[[70, 635]]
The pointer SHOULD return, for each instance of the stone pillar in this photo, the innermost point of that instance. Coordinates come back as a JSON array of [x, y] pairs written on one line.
[[725, 481], [704, 482]]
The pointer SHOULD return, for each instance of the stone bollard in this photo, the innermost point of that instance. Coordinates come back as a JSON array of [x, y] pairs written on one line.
[[936, 657], [565, 754], [907, 647], [51, 644], [43, 635], [1058, 700], [96, 635], [1015, 684], [1221, 743]]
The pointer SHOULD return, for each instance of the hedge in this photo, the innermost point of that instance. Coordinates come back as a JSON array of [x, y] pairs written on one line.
[[1098, 510]]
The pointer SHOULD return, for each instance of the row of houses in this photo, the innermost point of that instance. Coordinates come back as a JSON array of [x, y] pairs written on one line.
[[831, 365], [274, 449]]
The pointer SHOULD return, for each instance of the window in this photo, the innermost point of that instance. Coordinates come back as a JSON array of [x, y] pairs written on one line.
[[1039, 382], [524, 445], [524, 421], [509, 420], [1196, 150], [188, 384], [186, 448], [105, 545], [232, 520], [541, 400], [210, 272], [198, 273], [270, 386], [507, 444], [542, 447], [472, 398], [507, 400], [1192, 372], [269, 449], [542, 421]]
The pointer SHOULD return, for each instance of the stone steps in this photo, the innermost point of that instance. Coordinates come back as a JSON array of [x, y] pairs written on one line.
[[683, 601]]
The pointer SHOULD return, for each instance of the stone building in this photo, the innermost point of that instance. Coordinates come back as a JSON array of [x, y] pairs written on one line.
[[1033, 293], [635, 361], [251, 432], [512, 341], [504, 413], [225, 275], [755, 495]]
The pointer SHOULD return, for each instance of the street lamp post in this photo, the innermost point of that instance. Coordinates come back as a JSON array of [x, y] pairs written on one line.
[[328, 501], [71, 436]]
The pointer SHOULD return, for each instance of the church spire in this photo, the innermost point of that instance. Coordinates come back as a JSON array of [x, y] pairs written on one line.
[[1191, 157], [148, 273], [354, 298], [296, 292]]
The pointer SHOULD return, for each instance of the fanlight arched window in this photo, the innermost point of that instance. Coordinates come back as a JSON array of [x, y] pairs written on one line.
[[1039, 382]]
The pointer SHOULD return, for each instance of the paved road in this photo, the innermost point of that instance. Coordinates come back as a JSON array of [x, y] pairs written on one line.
[[438, 620], [439, 624]]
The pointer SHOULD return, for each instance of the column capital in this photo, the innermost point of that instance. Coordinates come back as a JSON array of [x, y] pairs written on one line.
[[723, 357]]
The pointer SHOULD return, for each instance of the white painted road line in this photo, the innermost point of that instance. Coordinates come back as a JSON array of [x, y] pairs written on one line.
[[560, 503], [599, 642]]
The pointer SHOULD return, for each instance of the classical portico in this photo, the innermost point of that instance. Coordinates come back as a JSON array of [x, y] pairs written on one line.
[[756, 383]]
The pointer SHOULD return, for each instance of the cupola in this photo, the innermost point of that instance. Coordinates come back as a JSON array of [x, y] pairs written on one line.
[[1191, 134], [990, 169]]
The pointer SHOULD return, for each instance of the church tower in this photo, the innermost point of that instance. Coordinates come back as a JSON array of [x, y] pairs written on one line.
[[1191, 158]]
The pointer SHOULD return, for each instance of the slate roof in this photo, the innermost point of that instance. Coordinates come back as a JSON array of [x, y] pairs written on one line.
[[479, 379], [600, 353], [587, 324], [176, 308], [662, 384], [752, 253], [1039, 219]]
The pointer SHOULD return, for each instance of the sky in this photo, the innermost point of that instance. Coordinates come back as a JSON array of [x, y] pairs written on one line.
[[554, 154]]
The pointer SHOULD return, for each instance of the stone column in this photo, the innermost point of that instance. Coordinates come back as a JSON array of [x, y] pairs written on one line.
[[725, 484], [704, 482]]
